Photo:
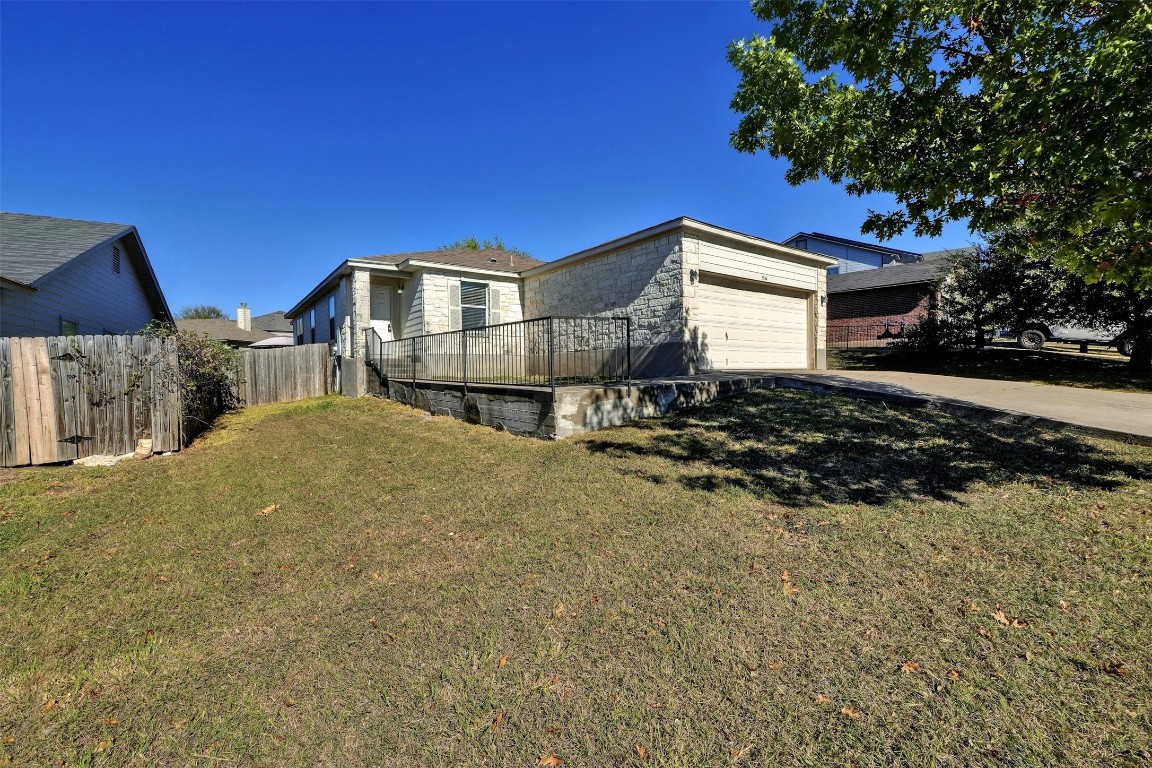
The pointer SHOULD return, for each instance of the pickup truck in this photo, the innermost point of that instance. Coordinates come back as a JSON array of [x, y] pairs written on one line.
[[1036, 335]]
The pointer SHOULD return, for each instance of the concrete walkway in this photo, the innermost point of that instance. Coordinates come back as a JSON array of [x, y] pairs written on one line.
[[1123, 415]]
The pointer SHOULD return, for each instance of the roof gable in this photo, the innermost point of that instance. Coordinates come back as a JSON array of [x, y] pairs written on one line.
[[493, 259], [33, 246]]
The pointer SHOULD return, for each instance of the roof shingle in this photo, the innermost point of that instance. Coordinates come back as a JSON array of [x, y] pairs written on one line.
[[32, 246]]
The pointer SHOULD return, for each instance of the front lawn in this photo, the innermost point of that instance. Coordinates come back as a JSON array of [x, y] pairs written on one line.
[[1002, 362], [778, 579]]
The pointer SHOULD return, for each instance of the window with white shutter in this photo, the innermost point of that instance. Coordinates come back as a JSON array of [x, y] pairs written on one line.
[[453, 305], [494, 305]]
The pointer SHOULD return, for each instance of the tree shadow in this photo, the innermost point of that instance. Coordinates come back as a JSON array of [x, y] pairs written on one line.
[[800, 448]]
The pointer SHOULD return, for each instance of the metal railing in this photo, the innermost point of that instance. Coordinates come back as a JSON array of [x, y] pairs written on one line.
[[869, 336], [544, 351]]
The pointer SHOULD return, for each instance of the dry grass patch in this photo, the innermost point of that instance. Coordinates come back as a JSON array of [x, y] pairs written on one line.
[[777, 579]]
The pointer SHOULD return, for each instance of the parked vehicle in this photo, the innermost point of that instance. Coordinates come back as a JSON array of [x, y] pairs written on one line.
[[1036, 335]]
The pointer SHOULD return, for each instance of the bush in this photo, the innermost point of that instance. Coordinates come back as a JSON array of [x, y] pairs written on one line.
[[207, 375]]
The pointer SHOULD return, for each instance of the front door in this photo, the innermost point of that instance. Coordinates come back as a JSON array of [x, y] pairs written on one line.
[[382, 313]]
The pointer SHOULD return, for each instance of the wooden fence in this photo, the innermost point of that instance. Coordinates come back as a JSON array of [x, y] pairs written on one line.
[[286, 373], [67, 397]]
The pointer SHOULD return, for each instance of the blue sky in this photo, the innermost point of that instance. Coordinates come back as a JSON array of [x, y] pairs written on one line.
[[257, 145]]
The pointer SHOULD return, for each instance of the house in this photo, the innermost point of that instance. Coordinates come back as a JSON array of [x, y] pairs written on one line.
[[243, 331], [850, 255], [63, 277], [699, 297], [883, 299]]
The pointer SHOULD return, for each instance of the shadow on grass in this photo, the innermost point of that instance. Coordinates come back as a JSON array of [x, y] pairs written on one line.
[[800, 448]]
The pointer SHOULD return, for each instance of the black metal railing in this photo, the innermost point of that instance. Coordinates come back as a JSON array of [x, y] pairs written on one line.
[[868, 336], [544, 351]]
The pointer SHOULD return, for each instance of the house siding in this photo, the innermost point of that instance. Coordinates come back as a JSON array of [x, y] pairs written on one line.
[[86, 291], [644, 281]]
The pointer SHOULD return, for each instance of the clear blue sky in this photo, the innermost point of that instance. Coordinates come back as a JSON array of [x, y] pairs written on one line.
[[257, 145]]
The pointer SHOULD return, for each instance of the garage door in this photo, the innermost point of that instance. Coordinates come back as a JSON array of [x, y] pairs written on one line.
[[747, 326]]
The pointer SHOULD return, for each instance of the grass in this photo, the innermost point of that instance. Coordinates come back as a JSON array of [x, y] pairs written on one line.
[[777, 579], [1004, 363]]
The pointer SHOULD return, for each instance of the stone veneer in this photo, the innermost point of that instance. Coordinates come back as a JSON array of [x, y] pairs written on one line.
[[644, 281]]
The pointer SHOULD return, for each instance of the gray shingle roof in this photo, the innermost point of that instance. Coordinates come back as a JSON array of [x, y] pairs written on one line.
[[886, 277], [223, 330], [273, 322], [489, 258], [33, 246]]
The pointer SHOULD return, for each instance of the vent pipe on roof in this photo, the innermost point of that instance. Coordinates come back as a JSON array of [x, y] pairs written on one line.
[[244, 317]]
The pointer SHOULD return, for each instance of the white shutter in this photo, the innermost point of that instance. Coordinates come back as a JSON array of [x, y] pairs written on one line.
[[453, 305], [494, 305]]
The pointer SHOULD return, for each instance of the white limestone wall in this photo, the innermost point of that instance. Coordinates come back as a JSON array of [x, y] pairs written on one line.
[[434, 297], [644, 281]]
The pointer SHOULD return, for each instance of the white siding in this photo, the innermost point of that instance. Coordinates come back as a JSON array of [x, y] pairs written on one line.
[[85, 291], [773, 269]]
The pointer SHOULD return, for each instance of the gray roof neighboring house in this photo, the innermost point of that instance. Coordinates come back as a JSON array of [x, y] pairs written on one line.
[[224, 330], [273, 322], [887, 277], [33, 247], [851, 243]]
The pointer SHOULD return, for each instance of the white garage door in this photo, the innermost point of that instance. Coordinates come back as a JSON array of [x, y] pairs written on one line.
[[746, 326]]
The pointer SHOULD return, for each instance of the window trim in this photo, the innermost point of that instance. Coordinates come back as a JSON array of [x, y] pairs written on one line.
[[75, 327], [115, 260]]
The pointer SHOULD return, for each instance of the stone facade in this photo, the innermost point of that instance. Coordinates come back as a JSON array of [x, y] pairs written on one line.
[[644, 281]]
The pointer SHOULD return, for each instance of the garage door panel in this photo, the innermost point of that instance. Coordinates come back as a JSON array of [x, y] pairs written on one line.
[[744, 325]]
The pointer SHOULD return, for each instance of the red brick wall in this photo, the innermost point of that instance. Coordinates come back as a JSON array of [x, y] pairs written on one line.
[[895, 305]]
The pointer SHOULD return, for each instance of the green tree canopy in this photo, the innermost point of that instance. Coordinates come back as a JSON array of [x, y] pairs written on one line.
[[1025, 114], [202, 312], [474, 244]]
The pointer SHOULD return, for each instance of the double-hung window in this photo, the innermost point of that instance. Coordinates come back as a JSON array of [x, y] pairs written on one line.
[[473, 305]]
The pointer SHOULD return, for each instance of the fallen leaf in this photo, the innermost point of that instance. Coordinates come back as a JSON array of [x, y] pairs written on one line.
[[640, 752], [180, 723], [549, 759], [851, 712], [502, 662], [111, 721], [776, 665], [9, 740], [374, 623], [822, 699], [102, 746], [754, 567], [269, 510], [288, 703], [1064, 605], [49, 705], [736, 754], [1118, 670], [954, 674], [498, 721], [376, 575], [790, 587], [559, 610], [1000, 616], [369, 532], [909, 666], [983, 632]]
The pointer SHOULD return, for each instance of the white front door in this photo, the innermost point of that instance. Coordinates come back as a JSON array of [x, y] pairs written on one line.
[[382, 313]]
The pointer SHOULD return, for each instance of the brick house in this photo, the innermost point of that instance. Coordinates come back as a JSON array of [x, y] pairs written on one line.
[[699, 297], [891, 296]]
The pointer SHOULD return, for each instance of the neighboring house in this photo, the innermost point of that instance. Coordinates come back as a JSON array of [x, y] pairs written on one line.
[[63, 277], [850, 255], [700, 297], [893, 296], [241, 332], [273, 322]]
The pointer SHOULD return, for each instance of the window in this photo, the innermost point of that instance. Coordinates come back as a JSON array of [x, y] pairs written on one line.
[[115, 259], [312, 323], [332, 317], [68, 327], [802, 244], [299, 330], [473, 305]]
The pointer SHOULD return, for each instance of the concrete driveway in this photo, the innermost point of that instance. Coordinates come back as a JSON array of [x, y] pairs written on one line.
[[1125, 415]]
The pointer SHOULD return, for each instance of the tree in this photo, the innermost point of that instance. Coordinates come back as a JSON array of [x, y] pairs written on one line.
[[1024, 114], [496, 243], [202, 312]]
